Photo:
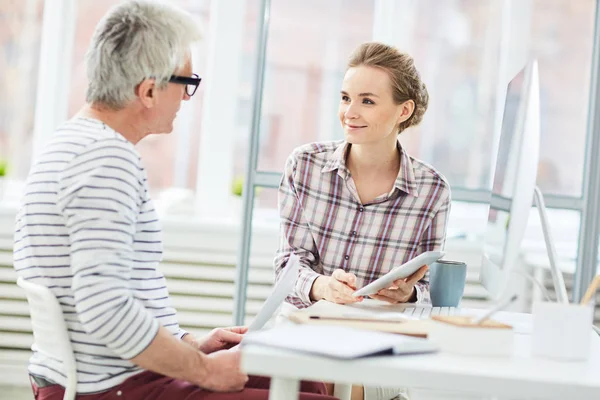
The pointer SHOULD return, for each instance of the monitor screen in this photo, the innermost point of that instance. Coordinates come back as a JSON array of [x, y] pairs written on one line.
[[504, 174]]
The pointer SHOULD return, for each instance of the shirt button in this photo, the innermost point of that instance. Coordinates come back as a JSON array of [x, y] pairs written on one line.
[[347, 257], [119, 393], [361, 209], [353, 233]]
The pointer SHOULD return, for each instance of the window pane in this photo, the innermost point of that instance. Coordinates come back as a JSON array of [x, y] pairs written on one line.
[[562, 39], [309, 43], [160, 153], [20, 23], [469, 221], [456, 49], [564, 229], [265, 206], [458, 60], [466, 238], [456, 46]]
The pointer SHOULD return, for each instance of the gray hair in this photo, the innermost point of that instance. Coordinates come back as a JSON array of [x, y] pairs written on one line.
[[134, 41]]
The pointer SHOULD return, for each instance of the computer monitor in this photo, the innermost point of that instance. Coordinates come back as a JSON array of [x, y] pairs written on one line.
[[514, 188], [514, 180]]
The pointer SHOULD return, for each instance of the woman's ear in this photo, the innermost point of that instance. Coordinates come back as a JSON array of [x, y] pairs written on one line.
[[146, 92], [406, 111]]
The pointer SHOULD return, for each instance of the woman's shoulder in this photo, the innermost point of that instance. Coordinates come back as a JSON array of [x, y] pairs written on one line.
[[311, 156], [426, 173], [317, 148]]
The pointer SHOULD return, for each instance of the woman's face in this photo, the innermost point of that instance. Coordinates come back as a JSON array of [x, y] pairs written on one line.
[[367, 110]]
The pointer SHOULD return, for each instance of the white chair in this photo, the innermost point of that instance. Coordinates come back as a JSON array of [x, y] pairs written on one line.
[[50, 333]]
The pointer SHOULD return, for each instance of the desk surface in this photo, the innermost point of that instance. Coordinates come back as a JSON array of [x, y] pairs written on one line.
[[519, 376]]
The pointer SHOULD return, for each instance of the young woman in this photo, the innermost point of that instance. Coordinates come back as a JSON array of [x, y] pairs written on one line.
[[354, 209]]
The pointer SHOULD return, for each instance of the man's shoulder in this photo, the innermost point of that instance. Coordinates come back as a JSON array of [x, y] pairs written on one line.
[[83, 136]]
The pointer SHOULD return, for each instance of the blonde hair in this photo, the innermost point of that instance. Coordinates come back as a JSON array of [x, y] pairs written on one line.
[[406, 80]]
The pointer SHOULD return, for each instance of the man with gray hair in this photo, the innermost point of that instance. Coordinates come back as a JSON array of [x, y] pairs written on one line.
[[87, 228]]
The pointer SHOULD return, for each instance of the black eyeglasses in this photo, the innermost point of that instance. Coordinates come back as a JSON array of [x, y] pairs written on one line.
[[191, 82]]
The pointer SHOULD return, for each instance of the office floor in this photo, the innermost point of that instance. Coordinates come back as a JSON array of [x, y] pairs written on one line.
[[15, 393]]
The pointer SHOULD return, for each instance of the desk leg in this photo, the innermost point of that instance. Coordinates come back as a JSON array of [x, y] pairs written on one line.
[[342, 391], [284, 388]]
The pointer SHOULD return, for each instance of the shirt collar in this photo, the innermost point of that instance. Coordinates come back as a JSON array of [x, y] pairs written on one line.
[[337, 160], [405, 181]]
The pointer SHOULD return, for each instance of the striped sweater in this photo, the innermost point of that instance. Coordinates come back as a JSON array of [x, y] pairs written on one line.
[[87, 229]]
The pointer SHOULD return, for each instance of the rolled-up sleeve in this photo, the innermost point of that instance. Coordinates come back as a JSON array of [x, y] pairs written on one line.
[[100, 199], [295, 237], [181, 333]]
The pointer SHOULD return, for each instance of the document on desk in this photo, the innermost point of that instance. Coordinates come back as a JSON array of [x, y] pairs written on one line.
[[371, 315], [338, 342]]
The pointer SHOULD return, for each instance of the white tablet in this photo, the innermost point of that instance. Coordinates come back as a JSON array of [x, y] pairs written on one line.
[[281, 290], [401, 272]]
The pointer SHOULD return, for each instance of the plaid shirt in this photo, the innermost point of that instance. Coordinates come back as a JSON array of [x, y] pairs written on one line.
[[325, 224]]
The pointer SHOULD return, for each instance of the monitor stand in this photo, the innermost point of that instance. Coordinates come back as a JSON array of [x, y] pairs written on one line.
[[557, 277]]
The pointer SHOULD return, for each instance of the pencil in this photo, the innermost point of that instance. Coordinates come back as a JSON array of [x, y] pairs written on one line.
[[591, 290]]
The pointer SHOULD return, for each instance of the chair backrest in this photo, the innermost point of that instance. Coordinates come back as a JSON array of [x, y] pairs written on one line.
[[51, 337]]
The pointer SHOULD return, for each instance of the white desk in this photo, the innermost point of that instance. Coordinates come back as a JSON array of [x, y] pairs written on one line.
[[519, 377]]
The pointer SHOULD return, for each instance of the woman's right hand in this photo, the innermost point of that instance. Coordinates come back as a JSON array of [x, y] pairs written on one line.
[[337, 288]]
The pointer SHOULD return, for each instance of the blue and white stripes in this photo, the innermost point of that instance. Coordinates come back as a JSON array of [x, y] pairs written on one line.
[[87, 229]]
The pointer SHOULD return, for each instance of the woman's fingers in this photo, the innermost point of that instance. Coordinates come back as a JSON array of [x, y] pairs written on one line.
[[412, 279], [383, 298], [238, 329], [340, 290], [346, 277], [417, 276]]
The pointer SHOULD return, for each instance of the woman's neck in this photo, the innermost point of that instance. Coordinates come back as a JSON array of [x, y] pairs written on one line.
[[374, 158]]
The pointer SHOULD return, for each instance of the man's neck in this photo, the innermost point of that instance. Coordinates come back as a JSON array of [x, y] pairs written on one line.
[[120, 121]]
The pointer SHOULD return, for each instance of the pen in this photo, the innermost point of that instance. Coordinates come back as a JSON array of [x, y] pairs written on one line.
[[494, 310], [356, 319]]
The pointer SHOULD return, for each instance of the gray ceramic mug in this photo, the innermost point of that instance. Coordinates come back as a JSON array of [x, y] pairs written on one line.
[[447, 282]]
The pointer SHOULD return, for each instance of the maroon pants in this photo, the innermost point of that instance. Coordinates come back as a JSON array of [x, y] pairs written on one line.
[[151, 386]]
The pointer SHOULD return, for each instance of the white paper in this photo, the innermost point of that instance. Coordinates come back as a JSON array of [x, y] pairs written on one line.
[[337, 342], [281, 290]]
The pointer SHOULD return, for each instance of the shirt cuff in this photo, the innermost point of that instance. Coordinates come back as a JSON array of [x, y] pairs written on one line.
[[422, 293], [303, 287]]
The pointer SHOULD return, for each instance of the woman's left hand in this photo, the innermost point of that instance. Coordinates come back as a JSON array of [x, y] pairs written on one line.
[[402, 290], [218, 339]]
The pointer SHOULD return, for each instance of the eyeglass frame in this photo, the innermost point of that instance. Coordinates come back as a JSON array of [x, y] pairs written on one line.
[[193, 80]]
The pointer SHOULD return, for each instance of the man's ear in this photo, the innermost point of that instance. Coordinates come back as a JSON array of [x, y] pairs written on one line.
[[146, 91], [406, 110]]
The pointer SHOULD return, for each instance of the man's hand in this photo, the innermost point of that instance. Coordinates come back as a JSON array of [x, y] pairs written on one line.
[[337, 288], [223, 373], [218, 339], [403, 289]]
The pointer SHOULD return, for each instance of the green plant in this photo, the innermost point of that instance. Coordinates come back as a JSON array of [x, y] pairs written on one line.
[[3, 167], [237, 187]]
